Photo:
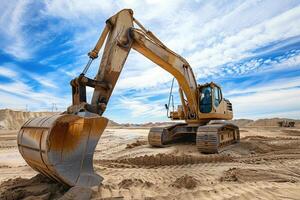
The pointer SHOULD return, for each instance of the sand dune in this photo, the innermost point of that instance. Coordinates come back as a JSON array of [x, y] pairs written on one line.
[[12, 120]]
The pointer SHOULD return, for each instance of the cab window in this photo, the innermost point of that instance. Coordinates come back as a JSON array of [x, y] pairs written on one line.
[[206, 100], [217, 96]]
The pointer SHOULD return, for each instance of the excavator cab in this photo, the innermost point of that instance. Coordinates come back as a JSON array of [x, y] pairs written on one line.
[[210, 97], [212, 105]]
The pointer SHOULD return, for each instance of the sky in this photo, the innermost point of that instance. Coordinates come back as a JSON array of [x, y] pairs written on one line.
[[250, 48]]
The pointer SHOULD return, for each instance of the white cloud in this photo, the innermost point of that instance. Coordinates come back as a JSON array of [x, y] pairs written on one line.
[[17, 73], [77, 10], [236, 47], [18, 93], [152, 77], [287, 63], [11, 101], [258, 66], [273, 85], [11, 26], [277, 97], [142, 109], [208, 33], [267, 103], [44, 80], [8, 72], [89, 10]]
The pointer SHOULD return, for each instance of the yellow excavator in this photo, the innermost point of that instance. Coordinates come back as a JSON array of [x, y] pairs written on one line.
[[62, 146]]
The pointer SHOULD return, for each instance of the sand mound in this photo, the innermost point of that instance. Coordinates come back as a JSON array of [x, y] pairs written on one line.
[[256, 145], [77, 193], [113, 124], [241, 122], [292, 132], [163, 160], [271, 122], [136, 144], [13, 120], [185, 181], [254, 175], [260, 144], [38, 187], [127, 183]]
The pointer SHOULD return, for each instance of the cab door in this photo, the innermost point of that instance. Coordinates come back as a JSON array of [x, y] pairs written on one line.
[[217, 97], [218, 103]]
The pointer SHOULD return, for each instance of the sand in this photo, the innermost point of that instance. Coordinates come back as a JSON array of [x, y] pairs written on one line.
[[264, 165], [12, 120]]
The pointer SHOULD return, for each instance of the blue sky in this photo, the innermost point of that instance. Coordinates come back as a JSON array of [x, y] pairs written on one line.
[[251, 48]]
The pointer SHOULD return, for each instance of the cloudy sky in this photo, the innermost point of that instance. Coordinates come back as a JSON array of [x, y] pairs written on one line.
[[251, 48]]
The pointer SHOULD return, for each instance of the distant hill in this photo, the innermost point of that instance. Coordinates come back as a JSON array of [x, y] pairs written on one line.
[[268, 122], [148, 124], [271, 122], [242, 122], [113, 124], [13, 120]]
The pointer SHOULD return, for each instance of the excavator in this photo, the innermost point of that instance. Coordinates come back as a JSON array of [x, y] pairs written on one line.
[[62, 146]]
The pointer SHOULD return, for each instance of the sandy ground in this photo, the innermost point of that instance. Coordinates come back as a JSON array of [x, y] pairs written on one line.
[[264, 165]]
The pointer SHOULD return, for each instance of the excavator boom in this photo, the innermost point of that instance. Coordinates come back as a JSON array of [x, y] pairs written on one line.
[[121, 37]]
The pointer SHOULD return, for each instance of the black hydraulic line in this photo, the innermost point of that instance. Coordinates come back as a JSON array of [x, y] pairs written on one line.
[[170, 94], [87, 66]]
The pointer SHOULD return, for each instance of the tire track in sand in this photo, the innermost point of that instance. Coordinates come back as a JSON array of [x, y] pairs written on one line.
[[162, 160]]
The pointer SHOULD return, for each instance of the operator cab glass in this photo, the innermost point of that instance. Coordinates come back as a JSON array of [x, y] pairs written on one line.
[[211, 96], [217, 96], [206, 100]]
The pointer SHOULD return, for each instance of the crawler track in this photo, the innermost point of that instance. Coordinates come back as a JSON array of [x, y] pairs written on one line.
[[155, 137], [214, 138]]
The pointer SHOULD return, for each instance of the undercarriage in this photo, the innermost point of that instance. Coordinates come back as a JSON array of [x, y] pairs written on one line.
[[209, 138]]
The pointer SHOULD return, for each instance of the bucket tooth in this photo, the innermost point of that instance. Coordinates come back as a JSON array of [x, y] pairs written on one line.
[[62, 147]]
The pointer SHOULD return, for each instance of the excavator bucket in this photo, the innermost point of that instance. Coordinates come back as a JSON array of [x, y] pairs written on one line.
[[62, 147]]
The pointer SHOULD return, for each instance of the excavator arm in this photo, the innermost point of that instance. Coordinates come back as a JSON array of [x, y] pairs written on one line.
[[121, 36]]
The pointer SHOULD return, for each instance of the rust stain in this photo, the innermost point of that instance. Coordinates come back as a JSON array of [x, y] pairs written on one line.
[[33, 134], [68, 132], [98, 126]]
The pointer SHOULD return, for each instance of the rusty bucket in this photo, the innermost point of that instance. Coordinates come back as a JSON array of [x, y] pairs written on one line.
[[62, 147]]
